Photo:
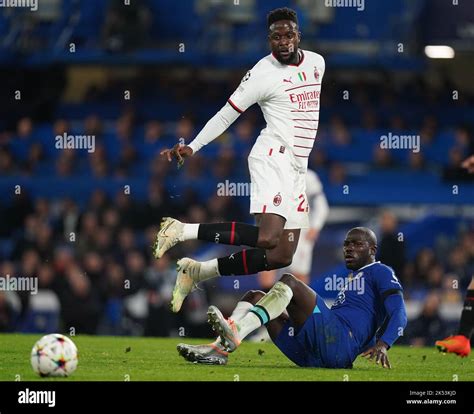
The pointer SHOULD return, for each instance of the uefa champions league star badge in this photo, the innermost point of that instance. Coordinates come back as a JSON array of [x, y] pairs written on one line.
[[246, 77]]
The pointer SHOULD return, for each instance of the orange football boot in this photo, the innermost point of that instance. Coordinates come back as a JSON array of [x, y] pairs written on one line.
[[456, 344]]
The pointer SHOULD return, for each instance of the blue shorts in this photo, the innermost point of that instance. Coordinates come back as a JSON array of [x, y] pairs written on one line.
[[323, 341]]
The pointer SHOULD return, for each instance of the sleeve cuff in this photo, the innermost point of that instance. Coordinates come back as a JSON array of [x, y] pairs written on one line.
[[194, 146], [233, 105], [388, 342]]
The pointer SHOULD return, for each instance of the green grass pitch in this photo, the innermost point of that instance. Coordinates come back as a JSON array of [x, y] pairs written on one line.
[[156, 359]]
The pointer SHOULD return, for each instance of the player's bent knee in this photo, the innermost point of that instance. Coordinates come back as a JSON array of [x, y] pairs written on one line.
[[290, 280], [268, 242], [252, 296], [278, 262]]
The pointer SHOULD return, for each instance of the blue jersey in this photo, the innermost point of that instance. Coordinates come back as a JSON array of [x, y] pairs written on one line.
[[360, 303]]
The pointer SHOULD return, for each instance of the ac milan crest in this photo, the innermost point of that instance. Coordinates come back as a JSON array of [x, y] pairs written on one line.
[[316, 73], [277, 200]]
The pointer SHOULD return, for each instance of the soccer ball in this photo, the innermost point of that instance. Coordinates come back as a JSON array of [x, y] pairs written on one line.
[[54, 355]]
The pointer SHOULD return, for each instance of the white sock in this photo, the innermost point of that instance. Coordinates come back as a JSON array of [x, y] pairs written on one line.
[[248, 324], [208, 270], [270, 307], [190, 231], [239, 312]]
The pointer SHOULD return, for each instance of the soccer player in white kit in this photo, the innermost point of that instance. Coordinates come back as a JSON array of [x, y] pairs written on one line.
[[286, 84]]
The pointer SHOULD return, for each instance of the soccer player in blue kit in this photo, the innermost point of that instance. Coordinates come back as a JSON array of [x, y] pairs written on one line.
[[367, 317]]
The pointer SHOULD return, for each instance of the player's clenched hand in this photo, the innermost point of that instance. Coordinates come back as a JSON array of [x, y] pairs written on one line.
[[468, 164], [179, 151], [379, 352]]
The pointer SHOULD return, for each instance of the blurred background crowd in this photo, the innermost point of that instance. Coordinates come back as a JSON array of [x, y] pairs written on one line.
[[138, 77]]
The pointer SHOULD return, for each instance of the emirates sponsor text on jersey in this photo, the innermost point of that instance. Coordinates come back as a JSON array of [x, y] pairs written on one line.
[[306, 99]]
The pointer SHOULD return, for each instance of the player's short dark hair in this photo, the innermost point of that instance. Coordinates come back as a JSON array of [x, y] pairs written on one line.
[[368, 234], [283, 13]]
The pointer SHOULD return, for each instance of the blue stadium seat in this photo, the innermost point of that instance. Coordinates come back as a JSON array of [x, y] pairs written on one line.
[[20, 147], [174, 19], [6, 248]]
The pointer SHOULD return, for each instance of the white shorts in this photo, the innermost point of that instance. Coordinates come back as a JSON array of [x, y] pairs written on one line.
[[277, 186], [303, 257]]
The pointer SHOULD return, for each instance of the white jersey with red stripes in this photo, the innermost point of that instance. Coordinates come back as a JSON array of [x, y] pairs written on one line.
[[289, 97]]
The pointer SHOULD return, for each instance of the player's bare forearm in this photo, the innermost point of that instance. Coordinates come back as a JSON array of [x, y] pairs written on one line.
[[378, 353], [179, 151]]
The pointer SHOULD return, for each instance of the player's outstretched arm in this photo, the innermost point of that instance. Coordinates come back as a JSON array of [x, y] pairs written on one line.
[[378, 353], [214, 127], [397, 321], [244, 96]]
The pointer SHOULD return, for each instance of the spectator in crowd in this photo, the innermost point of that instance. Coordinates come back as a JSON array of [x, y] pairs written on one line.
[[160, 278], [185, 129], [337, 174], [157, 205], [429, 325], [453, 171], [93, 126], [7, 166], [428, 131], [126, 26], [416, 161], [382, 159], [458, 264], [34, 157], [6, 314], [80, 304], [424, 260], [392, 244], [98, 202], [338, 132]]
